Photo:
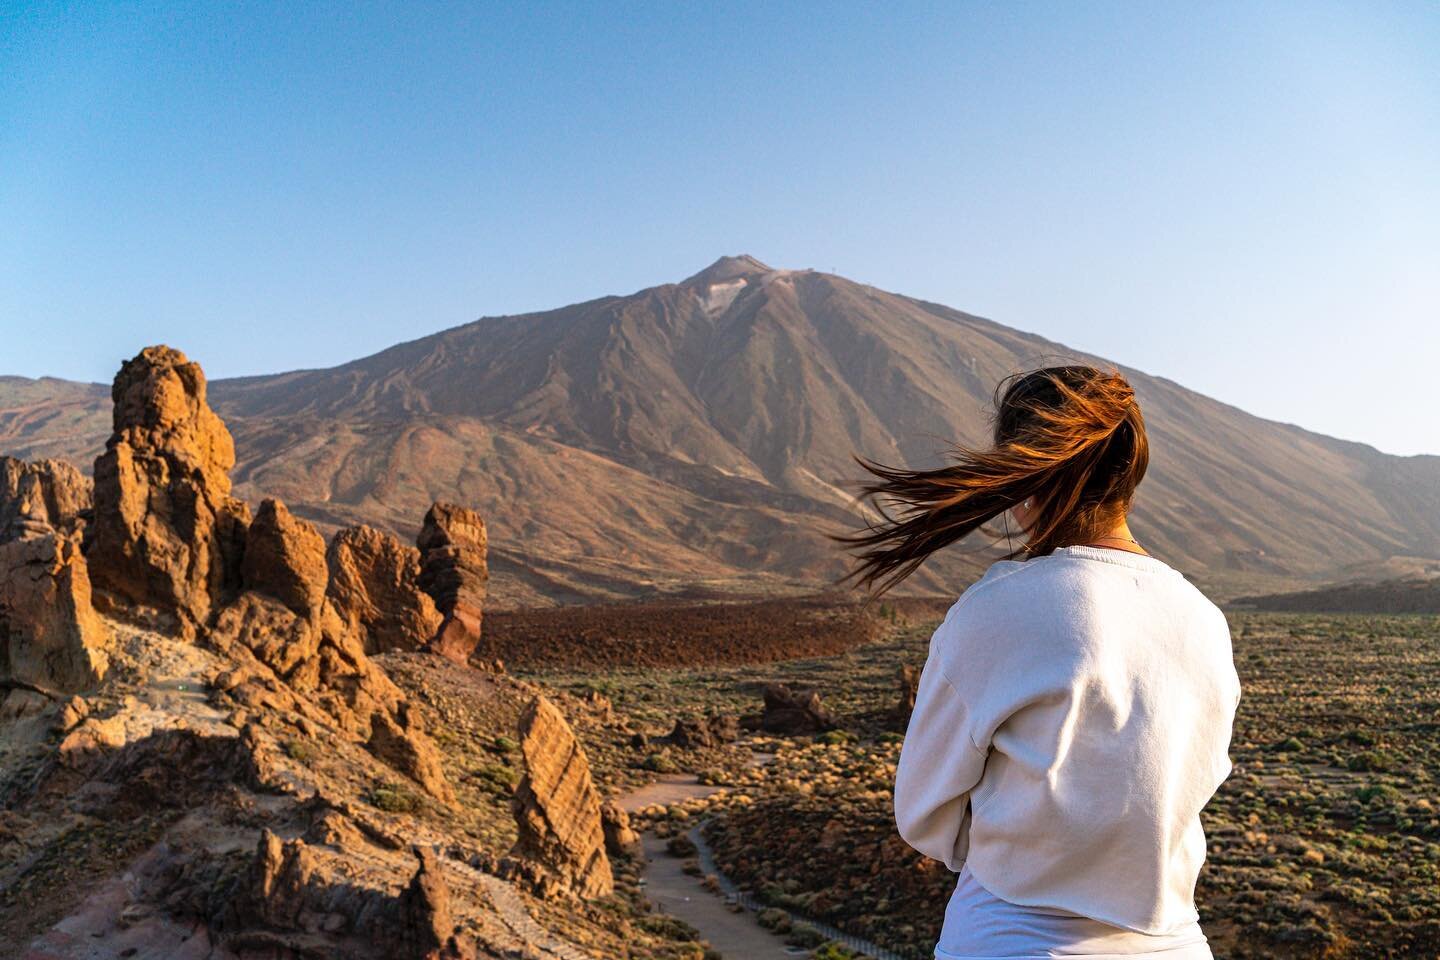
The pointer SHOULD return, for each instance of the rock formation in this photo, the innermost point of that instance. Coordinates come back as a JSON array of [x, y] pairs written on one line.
[[400, 742], [167, 535], [427, 926], [374, 584], [704, 731], [48, 493], [453, 571], [557, 811], [50, 637], [621, 840], [285, 558], [794, 711], [909, 684]]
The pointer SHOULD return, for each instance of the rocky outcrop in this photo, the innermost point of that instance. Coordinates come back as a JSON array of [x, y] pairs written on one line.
[[909, 685], [167, 534], [704, 731], [285, 558], [400, 742], [621, 840], [557, 811], [50, 637], [453, 572], [374, 584], [790, 711], [427, 923], [49, 494]]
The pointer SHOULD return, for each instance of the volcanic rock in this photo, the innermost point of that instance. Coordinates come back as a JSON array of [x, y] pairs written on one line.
[[704, 731], [427, 925], [909, 683], [374, 584], [44, 494], [50, 635], [453, 571], [401, 743], [621, 840], [166, 532], [794, 711], [285, 558], [557, 811]]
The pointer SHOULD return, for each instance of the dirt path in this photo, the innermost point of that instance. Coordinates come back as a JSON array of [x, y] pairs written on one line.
[[736, 935]]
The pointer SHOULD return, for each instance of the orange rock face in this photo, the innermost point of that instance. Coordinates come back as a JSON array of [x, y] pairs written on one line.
[[50, 636], [453, 570], [556, 807], [374, 584], [167, 535]]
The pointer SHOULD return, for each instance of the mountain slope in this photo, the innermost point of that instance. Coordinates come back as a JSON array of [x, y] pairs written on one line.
[[703, 432]]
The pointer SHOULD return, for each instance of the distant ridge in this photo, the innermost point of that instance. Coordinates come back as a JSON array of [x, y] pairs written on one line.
[[701, 433]]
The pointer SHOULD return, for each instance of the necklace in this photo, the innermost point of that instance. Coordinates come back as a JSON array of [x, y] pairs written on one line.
[[1126, 539]]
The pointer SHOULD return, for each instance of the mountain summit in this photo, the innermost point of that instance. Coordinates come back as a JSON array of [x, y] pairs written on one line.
[[704, 432]]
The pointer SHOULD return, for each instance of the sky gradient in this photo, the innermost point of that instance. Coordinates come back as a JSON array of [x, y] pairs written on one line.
[[1241, 198]]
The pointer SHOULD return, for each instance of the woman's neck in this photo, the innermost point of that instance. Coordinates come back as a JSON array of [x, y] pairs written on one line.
[[1119, 538]]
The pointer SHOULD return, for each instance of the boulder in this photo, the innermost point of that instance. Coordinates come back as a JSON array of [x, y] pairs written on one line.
[[557, 811], [704, 731], [285, 558], [50, 636], [427, 924], [453, 572], [374, 584], [166, 533], [621, 840], [45, 494], [790, 711], [400, 742], [909, 685]]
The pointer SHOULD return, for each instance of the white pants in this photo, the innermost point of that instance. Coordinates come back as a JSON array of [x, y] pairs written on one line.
[[981, 926]]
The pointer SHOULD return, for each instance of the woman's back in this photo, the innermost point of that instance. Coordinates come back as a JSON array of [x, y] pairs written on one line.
[[1073, 718]]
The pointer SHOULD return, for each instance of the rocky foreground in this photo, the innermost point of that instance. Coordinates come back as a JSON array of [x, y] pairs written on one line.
[[222, 737]]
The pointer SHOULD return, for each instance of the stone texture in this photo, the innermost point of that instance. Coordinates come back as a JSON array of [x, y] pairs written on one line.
[[792, 711], [166, 534], [285, 558], [557, 811], [400, 742], [374, 584], [908, 680], [427, 924], [49, 494], [704, 731], [50, 636], [454, 573], [621, 840]]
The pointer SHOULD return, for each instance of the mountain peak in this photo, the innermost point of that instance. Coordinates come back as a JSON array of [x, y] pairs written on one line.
[[728, 268]]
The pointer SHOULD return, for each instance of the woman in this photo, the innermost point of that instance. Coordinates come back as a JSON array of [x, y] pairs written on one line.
[[1074, 713]]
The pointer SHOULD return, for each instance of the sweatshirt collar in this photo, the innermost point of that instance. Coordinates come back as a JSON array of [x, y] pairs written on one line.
[[1124, 558]]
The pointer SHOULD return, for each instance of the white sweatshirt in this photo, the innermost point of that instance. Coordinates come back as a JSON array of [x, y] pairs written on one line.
[[1072, 719]]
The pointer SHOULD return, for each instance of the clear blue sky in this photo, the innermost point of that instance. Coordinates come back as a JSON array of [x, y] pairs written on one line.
[[1241, 197]]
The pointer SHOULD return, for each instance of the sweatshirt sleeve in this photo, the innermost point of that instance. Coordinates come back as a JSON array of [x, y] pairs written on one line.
[[939, 766]]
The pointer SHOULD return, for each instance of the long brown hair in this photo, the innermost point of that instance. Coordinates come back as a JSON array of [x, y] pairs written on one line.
[[1071, 437]]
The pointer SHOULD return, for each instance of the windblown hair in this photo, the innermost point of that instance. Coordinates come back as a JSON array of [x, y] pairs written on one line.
[[1071, 437]]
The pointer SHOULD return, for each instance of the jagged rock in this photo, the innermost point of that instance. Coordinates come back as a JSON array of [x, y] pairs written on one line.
[[374, 584], [401, 743], [281, 877], [557, 811], [621, 840], [285, 558], [706, 731], [166, 532], [453, 571], [427, 926], [794, 711], [50, 635], [43, 494], [311, 667], [909, 683]]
